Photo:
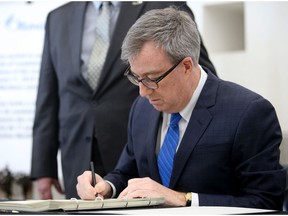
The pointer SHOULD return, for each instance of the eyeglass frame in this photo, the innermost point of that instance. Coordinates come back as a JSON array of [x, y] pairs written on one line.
[[134, 80]]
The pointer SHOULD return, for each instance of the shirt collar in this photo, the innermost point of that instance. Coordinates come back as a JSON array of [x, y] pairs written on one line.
[[97, 4], [187, 111]]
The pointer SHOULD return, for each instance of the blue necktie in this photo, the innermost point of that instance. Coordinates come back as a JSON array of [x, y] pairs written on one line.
[[168, 149]]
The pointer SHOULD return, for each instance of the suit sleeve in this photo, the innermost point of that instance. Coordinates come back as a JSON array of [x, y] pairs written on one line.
[[126, 167], [255, 156], [45, 128]]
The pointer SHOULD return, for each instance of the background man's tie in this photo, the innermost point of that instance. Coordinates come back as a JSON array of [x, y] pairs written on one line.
[[100, 48], [168, 149]]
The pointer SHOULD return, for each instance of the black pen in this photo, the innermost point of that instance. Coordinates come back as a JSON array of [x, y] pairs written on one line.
[[93, 176]]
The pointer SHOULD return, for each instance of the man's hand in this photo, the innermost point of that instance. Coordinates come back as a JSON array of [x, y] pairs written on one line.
[[146, 187], [44, 186], [85, 189]]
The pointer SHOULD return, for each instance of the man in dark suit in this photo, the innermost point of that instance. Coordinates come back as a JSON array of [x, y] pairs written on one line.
[[227, 137], [84, 124]]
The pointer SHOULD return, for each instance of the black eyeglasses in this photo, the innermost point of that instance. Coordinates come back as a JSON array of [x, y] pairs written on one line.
[[149, 83]]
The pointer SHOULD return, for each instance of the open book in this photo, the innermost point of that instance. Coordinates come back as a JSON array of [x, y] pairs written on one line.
[[76, 204]]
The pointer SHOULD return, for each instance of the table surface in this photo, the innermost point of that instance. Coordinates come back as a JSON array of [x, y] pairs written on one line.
[[212, 210]]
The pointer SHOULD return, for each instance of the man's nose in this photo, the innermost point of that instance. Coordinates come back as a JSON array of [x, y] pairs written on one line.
[[144, 90]]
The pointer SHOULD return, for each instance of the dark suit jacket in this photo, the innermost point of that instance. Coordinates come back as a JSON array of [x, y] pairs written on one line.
[[229, 153], [68, 111]]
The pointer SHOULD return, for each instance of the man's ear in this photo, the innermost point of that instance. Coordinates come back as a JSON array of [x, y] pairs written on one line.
[[188, 64]]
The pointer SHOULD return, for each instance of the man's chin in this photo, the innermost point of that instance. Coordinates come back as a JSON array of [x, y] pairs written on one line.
[[158, 107]]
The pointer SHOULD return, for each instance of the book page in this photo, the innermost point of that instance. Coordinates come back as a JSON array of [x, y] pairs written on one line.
[[76, 205]]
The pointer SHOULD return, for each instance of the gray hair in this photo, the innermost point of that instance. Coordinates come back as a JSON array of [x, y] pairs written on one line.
[[170, 29]]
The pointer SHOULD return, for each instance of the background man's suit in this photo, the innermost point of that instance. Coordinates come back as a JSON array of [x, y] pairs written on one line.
[[68, 111], [229, 153]]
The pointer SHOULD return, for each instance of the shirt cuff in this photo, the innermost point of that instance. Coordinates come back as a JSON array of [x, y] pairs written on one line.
[[195, 199], [113, 189]]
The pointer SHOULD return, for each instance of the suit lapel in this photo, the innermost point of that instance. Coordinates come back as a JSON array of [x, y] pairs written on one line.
[[199, 121], [128, 14], [76, 25], [151, 142]]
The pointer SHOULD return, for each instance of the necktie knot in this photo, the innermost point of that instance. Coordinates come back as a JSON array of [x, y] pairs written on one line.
[[174, 119], [105, 5]]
